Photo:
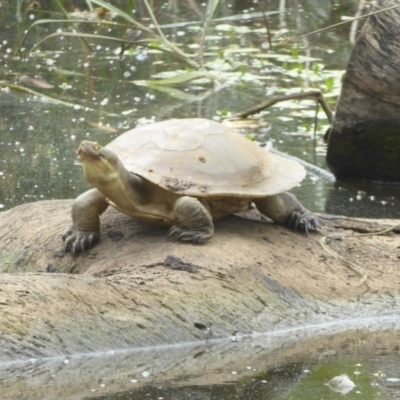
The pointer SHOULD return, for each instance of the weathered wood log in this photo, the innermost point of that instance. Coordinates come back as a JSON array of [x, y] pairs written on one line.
[[134, 289], [364, 142]]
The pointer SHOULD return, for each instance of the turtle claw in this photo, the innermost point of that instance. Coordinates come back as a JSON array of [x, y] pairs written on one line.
[[179, 232], [78, 241], [302, 219]]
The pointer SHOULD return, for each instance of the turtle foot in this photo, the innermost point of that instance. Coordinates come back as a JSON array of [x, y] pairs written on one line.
[[179, 232], [78, 241], [302, 220]]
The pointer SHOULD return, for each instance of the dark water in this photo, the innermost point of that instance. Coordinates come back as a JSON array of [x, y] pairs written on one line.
[[105, 94]]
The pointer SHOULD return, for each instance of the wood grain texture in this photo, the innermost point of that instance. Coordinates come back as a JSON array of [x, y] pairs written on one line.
[[252, 275]]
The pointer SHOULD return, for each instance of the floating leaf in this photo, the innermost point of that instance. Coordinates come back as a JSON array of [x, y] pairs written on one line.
[[176, 93], [178, 78], [243, 69], [103, 127], [36, 82]]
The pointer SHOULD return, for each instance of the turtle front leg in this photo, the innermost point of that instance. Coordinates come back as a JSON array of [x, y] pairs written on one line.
[[285, 209], [85, 229], [195, 222]]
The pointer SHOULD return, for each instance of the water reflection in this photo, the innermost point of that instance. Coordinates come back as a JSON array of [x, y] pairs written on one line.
[[341, 384], [293, 364], [297, 381]]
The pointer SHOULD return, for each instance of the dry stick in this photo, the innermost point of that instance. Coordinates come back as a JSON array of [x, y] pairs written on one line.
[[211, 6], [266, 24], [357, 269], [317, 94], [311, 93], [350, 20], [315, 130]]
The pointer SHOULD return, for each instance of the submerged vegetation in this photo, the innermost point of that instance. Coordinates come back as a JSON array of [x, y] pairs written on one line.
[[209, 52], [203, 63]]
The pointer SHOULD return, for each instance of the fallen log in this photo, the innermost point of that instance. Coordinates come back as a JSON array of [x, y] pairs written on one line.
[[135, 289]]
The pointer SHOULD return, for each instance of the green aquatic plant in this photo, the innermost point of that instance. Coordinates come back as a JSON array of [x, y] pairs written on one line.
[[156, 39]]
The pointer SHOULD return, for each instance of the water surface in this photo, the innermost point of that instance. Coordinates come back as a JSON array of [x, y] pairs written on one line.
[[103, 96], [294, 363]]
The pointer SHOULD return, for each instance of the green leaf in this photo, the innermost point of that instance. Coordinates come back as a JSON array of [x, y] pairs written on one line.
[[329, 83], [243, 69], [294, 52], [224, 112], [251, 136]]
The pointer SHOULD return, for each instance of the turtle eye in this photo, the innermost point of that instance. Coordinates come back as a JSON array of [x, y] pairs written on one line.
[[96, 146]]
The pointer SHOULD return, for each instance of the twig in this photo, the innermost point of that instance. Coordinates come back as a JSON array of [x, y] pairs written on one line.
[[316, 123], [357, 269], [265, 18], [317, 94], [211, 6], [350, 20]]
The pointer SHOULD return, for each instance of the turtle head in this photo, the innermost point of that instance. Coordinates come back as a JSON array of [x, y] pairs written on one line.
[[99, 163], [92, 151]]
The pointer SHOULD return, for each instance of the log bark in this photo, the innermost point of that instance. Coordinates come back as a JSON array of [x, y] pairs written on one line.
[[124, 293], [364, 142]]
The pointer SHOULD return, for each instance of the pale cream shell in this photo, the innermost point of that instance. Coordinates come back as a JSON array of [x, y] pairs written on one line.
[[203, 158]]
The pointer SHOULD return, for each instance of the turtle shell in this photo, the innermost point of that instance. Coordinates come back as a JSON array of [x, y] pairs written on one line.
[[203, 158]]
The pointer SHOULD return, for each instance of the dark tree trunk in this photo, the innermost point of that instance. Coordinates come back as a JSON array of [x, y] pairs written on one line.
[[364, 142]]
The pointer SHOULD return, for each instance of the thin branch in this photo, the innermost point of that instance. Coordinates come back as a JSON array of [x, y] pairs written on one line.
[[266, 24], [211, 6], [346, 22], [75, 25], [315, 123], [317, 94]]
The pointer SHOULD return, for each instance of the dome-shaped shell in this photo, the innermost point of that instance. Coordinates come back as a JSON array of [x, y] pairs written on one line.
[[200, 157]]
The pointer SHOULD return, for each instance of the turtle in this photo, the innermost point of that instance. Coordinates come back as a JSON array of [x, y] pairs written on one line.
[[184, 173]]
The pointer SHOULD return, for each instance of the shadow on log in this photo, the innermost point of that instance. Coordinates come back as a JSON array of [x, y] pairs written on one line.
[[134, 289], [364, 142]]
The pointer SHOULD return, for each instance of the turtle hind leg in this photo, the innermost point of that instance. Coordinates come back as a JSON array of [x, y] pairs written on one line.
[[195, 223], [285, 209]]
